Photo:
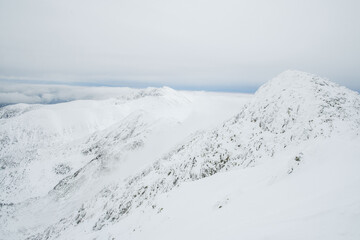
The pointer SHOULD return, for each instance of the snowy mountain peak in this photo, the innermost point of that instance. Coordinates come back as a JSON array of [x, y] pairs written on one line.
[[154, 92], [305, 101], [285, 115], [295, 80], [273, 136]]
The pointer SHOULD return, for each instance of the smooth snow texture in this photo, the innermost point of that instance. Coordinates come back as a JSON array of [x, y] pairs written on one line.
[[160, 164]]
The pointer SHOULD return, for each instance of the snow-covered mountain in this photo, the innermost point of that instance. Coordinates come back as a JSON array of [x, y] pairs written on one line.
[[156, 163]]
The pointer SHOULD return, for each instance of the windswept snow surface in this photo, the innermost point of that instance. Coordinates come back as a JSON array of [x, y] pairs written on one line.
[[162, 164]]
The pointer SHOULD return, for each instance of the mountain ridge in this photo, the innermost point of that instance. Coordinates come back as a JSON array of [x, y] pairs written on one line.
[[286, 116]]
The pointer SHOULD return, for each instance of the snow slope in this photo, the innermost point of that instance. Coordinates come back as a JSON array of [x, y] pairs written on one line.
[[284, 167], [96, 141]]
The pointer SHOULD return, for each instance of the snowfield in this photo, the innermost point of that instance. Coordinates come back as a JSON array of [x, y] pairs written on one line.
[[164, 164]]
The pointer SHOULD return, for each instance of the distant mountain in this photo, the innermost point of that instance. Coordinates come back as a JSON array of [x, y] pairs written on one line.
[[108, 178]]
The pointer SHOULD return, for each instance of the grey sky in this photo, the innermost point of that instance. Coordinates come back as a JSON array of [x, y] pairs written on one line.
[[189, 43]]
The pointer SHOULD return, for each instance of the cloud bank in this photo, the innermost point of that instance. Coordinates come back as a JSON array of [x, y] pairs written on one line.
[[47, 94]]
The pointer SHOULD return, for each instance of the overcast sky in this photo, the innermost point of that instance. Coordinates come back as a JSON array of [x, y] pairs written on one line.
[[222, 44]]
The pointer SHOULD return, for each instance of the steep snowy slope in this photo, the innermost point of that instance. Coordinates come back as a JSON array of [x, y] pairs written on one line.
[[285, 167], [320, 200], [78, 147], [35, 137]]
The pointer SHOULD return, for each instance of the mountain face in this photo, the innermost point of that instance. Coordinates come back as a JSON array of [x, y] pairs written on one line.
[[262, 173], [39, 143]]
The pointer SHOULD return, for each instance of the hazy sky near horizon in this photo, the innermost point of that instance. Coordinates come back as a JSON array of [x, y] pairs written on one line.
[[188, 43]]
